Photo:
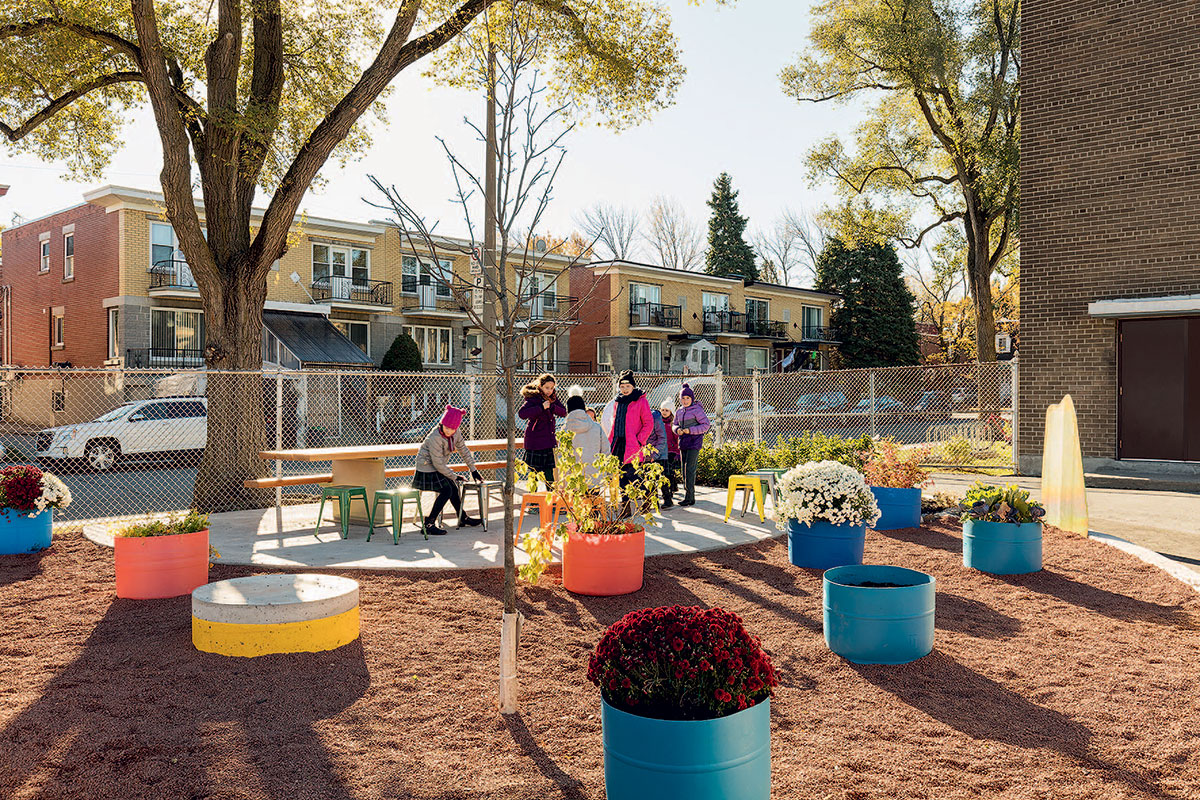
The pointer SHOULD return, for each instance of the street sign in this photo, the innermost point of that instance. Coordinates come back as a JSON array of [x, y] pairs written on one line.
[[477, 296], [476, 262]]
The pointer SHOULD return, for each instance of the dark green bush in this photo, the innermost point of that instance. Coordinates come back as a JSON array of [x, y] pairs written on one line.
[[402, 356], [737, 458]]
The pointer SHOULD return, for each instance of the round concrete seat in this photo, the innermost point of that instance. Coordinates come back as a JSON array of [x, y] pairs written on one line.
[[265, 614]]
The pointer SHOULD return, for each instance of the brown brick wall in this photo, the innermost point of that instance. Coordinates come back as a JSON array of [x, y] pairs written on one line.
[[1110, 191], [594, 315], [34, 294]]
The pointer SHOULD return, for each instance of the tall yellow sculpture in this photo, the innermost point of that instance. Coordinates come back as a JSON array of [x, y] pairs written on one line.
[[1063, 492]]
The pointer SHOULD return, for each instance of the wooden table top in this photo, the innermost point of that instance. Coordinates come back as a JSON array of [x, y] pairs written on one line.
[[369, 451]]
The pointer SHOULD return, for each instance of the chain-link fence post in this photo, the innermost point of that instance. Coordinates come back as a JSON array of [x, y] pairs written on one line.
[[756, 398], [1014, 374], [719, 411], [874, 416], [278, 446], [473, 403]]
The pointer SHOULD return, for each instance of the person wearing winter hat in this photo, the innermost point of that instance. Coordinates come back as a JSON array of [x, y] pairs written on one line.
[[666, 410], [589, 436], [632, 426], [691, 423], [434, 474], [540, 409]]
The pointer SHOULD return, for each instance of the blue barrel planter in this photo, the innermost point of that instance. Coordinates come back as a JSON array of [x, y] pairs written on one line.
[[1002, 548], [21, 533], [714, 759], [822, 544], [898, 508], [874, 624]]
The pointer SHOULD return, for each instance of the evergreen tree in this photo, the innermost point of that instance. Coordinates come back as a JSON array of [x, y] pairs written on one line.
[[402, 356], [728, 253], [875, 321]]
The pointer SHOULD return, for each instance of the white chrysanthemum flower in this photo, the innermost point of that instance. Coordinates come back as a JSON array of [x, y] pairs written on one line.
[[825, 490]]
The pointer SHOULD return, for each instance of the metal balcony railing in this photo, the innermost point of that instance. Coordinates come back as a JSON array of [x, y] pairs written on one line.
[[551, 307], [766, 328], [653, 315], [172, 274], [336, 288], [818, 333], [539, 365], [724, 322], [165, 357]]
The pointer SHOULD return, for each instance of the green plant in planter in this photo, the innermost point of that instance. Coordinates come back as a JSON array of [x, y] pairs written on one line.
[[592, 502], [192, 522], [986, 503]]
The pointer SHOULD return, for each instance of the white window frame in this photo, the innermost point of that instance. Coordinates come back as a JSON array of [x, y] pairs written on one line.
[[707, 296], [69, 256], [441, 287], [656, 364], [44, 255], [758, 300], [58, 328], [174, 242], [648, 289], [114, 332], [423, 342], [349, 252], [603, 345], [766, 358], [345, 325], [805, 327], [175, 345]]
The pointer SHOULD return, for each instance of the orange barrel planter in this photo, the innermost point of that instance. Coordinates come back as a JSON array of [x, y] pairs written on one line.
[[153, 567], [602, 564]]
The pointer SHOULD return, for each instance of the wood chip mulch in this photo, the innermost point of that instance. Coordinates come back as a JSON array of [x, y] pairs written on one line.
[[1082, 681]]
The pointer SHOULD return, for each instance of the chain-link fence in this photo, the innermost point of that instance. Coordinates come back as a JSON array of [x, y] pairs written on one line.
[[133, 441]]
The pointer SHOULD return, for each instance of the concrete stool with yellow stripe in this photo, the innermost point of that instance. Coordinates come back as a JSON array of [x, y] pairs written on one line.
[[265, 614]]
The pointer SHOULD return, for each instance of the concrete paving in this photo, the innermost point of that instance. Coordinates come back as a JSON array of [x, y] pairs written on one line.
[[1166, 522], [252, 538]]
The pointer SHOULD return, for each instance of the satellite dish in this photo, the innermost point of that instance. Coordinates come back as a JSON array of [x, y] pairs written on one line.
[[539, 245]]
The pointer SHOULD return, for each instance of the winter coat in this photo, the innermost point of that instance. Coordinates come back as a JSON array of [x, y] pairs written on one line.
[[589, 440], [658, 439], [672, 437], [694, 419], [434, 455], [639, 425], [539, 434]]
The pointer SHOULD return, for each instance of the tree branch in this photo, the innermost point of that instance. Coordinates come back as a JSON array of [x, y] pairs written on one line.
[[64, 100], [950, 217]]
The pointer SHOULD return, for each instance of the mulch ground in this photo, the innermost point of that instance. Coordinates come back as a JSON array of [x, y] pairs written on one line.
[[1077, 682]]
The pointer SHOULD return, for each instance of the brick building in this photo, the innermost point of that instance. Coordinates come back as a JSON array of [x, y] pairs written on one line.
[[656, 319], [1110, 227]]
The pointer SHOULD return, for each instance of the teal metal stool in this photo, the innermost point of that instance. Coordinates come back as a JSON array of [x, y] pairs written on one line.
[[395, 499], [771, 478], [344, 494]]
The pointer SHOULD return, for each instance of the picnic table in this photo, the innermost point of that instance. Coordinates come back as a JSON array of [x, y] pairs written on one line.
[[362, 465]]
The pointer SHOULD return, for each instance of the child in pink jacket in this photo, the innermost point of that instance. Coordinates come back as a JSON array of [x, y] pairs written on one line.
[[632, 426]]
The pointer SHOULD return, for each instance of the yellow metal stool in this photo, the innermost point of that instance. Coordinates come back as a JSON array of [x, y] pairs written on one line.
[[746, 483]]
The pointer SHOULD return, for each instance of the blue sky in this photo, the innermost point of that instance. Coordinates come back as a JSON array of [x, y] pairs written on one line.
[[729, 115]]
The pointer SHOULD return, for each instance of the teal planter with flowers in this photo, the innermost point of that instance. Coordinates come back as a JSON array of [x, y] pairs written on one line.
[[1002, 530], [28, 498], [825, 507], [686, 706]]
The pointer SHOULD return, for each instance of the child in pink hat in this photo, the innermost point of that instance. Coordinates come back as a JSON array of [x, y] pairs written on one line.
[[434, 474]]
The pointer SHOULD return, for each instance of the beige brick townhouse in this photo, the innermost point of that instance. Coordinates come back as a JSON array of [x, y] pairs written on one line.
[[656, 319]]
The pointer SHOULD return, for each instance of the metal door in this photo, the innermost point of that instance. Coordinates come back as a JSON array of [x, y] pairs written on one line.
[[1156, 374]]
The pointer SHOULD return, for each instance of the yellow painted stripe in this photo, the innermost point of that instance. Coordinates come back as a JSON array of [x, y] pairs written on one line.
[[239, 639]]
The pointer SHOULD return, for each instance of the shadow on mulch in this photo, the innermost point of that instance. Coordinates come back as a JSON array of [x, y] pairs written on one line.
[[981, 708], [925, 537], [22, 566], [964, 615], [572, 788], [1102, 601], [272, 702]]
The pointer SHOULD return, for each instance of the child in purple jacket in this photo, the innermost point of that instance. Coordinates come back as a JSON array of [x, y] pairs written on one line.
[[690, 423], [540, 408]]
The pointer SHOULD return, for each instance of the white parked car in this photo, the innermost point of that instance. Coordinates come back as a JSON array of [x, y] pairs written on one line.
[[143, 429]]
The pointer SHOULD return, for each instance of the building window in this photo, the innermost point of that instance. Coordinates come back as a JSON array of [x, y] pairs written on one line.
[[757, 358], [58, 401], [44, 264], [357, 332], [715, 302], [424, 272], [337, 264], [758, 309], [434, 344], [604, 354], [645, 355], [723, 356], [68, 257], [163, 245], [276, 353], [541, 351], [812, 320], [114, 333], [643, 293], [176, 335], [56, 329]]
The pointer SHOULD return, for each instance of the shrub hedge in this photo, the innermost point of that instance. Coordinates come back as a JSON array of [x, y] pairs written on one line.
[[716, 464]]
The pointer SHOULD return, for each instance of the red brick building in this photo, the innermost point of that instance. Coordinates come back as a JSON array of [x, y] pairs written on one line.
[[1110, 227]]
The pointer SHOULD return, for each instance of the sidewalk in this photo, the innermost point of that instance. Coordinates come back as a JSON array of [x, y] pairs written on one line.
[[1164, 520]]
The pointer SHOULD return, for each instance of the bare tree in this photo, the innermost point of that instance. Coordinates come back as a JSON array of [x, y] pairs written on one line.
[[518, 284], [673, 237], [615, 228], [791, 247]]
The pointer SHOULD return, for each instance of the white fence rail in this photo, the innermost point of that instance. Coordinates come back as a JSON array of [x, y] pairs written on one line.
[[129, 441]]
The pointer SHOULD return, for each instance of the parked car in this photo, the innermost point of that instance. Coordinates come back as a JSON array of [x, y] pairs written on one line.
[[821, 401], [883, 405], [143, 429], [932, 403], [744, 409]]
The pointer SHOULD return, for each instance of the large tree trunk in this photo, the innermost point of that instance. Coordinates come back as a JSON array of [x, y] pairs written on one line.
[[236, 418], [979, 280]]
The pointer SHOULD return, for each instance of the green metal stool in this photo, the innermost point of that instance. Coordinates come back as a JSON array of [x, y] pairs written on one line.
[[344, 494], [771, 478], [394, 498]]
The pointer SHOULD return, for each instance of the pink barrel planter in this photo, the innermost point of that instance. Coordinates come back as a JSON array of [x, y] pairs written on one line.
[[154, 567]]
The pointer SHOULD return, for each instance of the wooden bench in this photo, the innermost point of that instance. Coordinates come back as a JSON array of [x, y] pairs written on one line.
[[327, 477]]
